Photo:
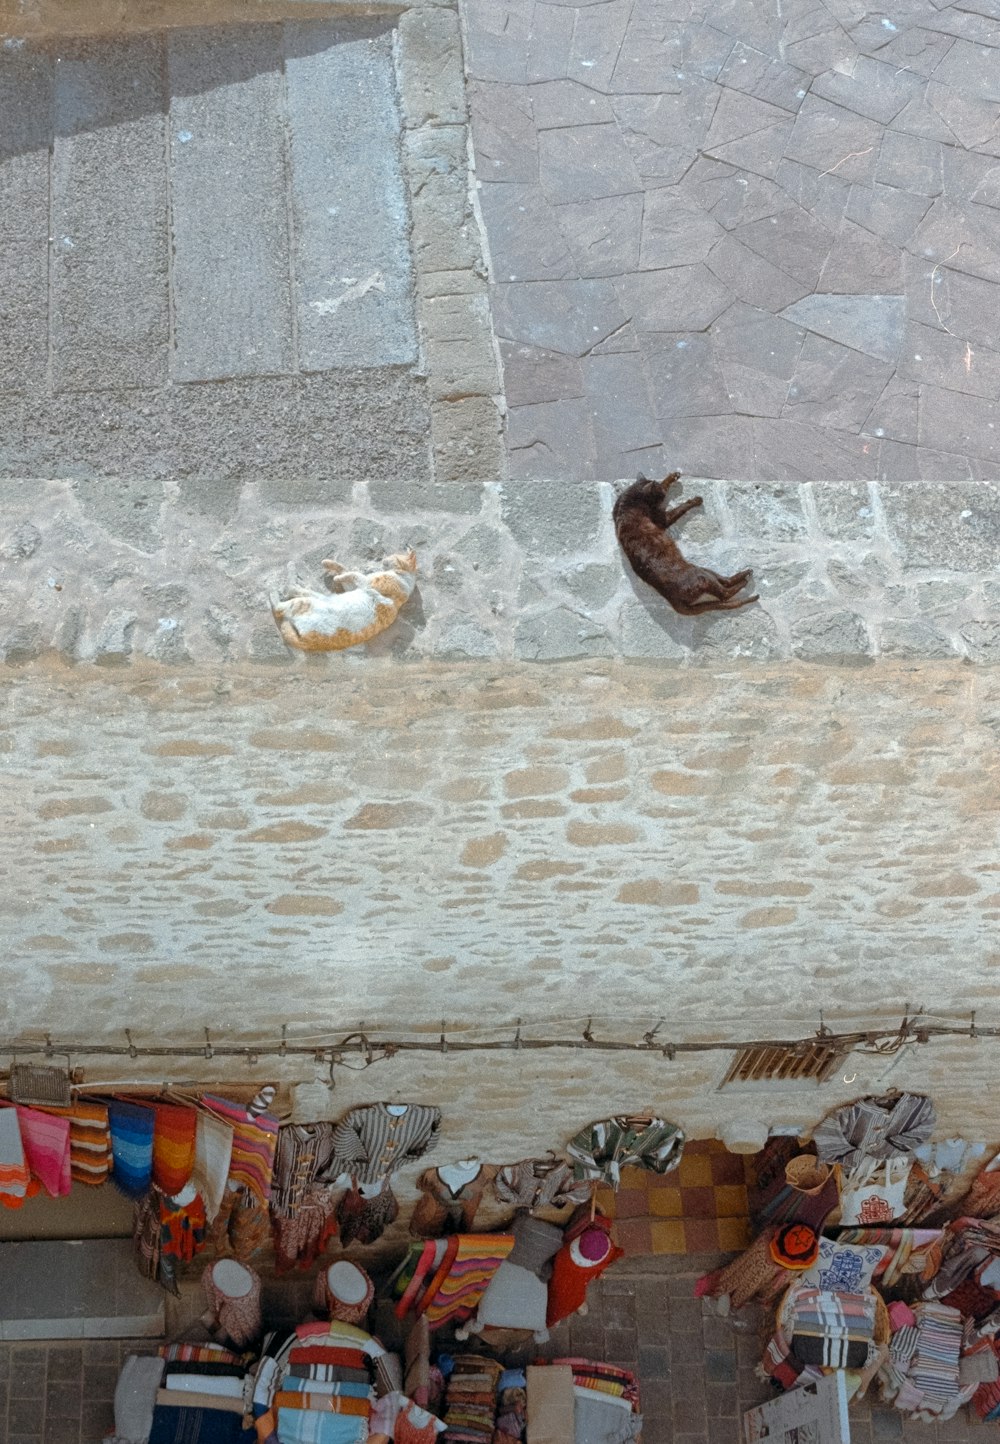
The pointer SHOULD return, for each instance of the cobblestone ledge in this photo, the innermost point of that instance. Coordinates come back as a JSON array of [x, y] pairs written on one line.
[[531, 570]]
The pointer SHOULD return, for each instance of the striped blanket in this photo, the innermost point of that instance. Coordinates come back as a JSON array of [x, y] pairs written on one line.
[[454, 1293], [131, 1127], [255, 1139]]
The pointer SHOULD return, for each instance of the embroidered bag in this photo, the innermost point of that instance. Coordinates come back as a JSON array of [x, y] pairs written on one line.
[[875, 1192]]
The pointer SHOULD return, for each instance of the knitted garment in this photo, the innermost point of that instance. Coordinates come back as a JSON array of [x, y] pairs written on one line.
[[750, 1275], [539, 1183], [366, 1219], [174, 1131], [440, 1211], [370, 1143], [46, 1149], [131, 1127], [239, 1319], [300, 1239]]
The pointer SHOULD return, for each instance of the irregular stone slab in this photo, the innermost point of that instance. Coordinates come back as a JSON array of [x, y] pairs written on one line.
[[834, 386], [755, 73], [792, 240], [968, 425], [832, 637], [787, 449], [683, 298], [541, 522], [25, 136], [751, 278], [354, 288], [604, 235], [565, 316], [872, 88], [684, 376], [503, 132], [109, 216], [532, 375], [525, 240], [752, 337], [974, 69], [931, 531], [551, 441], [827, 136], [585, 162], [675, 230], [497, 38], [910, 163], [942, 359], [872, 324], [597, 43], [661, 132], [620, 405], [566, 102], [549, 43], [886, 212], [231, 293], [712, 446], [861, 263], [972, 120], [738, 116]]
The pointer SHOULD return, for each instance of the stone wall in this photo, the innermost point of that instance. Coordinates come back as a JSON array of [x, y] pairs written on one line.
[[179, 571], [730, 851]]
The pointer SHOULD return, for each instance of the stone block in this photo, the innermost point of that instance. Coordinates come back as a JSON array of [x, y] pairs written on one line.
[[458, 346], [845, 510], [230, 261], [915, 638], [557, 635], [26, 104], [982, 638], [353, 281], [941, 524], [652, 630], [834, 638], [550, 518], [430, 67], [772, 510], [392, 497], [466, 440], [444, 236]]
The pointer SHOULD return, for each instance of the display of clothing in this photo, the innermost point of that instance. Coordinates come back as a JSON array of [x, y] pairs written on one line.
[[537, 1183], [886, 1127], [449, 1207], [303, 1155], [372, 1142], [601, 1150], [255, 1139]]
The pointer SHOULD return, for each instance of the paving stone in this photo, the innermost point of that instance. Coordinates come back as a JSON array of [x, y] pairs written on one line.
[[354, 298], [549, 43], [918, 49], [231, 303], [971, 120], [675, 230], [784, 449], [109, 216], [445, 234], [430, 69], [597, 43], [660, 132], [559, 103], [831, 637], [503, 132], [524, 231], [971, 68], [684, 376], [755, 73], [943, 359], [26, 109], [565, 316], [802, 243], [620, 407], [751, 277], [603, 235], [911, 163], [554, 439], [532, 375], [714, 446], [871, 88], [872, 324], [585, 162], [458, 345], [683, 298], [732, 198], [949, 421], [861, 263], [886, 212], [833, 385], [539, 518], [558, 635], [497, 38], [827, 135], [465, 439], [914, 638]]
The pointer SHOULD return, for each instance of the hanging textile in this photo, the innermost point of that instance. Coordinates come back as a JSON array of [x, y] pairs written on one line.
[[46, 1149], [89, 1140], [15, 1175], [470, 1262], [370, 1143], [213, 1151], [242, 1227], [131, 1127], [601, 1150], [255, 1140], [174, 1130], [892, 1126]]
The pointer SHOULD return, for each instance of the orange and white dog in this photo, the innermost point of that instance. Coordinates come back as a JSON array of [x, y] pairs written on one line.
[[363, 605]]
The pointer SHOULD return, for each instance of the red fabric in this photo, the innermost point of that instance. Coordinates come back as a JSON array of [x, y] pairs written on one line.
[[174, 1132], [570, 1279], [318, 1354]]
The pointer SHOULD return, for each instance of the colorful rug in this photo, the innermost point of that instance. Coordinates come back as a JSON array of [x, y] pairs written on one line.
[[699, 1207]]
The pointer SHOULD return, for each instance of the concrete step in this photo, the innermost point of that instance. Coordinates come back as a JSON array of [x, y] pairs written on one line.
[[83, 1289]]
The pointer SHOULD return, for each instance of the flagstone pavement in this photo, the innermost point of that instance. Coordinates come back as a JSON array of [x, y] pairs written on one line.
[[750, 238]]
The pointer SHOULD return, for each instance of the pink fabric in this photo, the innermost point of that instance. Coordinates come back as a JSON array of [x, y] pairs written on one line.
[[46, 1149], [901, 1315], [594, 1244]]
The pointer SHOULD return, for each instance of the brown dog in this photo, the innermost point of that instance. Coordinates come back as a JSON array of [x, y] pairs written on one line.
[[641, 519]]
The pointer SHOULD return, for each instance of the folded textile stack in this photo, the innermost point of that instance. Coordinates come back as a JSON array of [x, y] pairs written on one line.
[[833, 1330], [923, 1374], [316, 1387], [471, 1400], [934, 1367], [605, 1400], [197, 1396], [512, 1407]]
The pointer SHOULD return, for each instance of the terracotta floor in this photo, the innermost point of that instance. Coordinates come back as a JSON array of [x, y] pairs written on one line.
[[700, 1207]]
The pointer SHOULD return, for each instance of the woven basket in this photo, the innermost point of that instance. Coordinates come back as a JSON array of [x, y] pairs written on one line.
[[806, 1173]]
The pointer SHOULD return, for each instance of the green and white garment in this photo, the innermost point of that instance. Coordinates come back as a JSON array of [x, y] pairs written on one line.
[[601, 1150]]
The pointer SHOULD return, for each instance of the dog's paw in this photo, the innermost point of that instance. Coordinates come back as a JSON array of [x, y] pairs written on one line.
[[697, 501]]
